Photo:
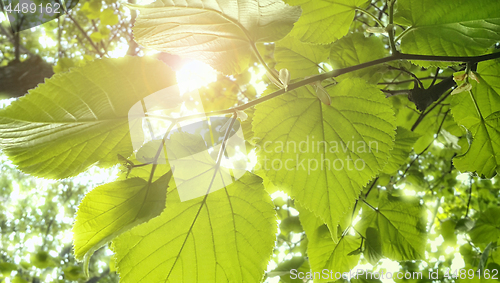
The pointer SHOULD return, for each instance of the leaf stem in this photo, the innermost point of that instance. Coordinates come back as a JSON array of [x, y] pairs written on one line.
[[371, 16], [370, 206], [158, 152], [476, 105], [261, 60], [423, 114], [421, 85], [428, 146], [390, 30], [371, 187], [410, 81], [402, 34]]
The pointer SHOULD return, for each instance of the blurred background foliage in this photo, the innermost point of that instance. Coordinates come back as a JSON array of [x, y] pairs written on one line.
[[36, 216]]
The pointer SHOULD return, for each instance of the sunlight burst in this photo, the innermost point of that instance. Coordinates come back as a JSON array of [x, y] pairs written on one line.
[[194, 75]]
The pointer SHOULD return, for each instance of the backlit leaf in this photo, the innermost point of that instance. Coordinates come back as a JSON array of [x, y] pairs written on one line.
[[301, 59], [354, 49], [220, 34], [78, 118], [324, 253], [373, 246], [224, 236], [113, 208], [486, 228], [402, 148], [108, 17], [324, 21], [483, 154], [323, 155], [449, 27], [401, 224]]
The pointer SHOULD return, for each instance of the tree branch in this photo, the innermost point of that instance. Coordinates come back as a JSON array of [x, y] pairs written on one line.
[[85, 35], [338, 72]]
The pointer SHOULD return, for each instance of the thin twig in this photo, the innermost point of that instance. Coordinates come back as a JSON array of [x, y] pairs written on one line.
[[422, 116], [409, 73], [427, 147], [435, 76], [470, 197], [370, 206], [85, 35], [409, 81]]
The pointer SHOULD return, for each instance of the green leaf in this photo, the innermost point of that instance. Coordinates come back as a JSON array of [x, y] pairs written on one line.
[[73, 273], [308, 220], [301, 59], [402, 148], [220, 35], [324, 21], [448, 231], [483, 154], [486, 229], [92, 9], [6, 268], [485, 255], [147, 153], [97, 36], [355, 49], [373, 246], [285, 266], [224, 236], [79, 118], [42, 260], [324, 253], [19, 279], [290, 224], [401, 224], [323, 155], [108, 17], [113, 208], [448, 27], [464, 225]]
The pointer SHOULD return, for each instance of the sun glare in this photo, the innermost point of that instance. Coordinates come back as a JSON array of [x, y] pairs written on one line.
[[46, 42], [194, 75]]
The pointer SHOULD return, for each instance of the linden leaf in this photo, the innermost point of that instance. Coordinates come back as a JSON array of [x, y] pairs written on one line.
[[222, 35], [323, 155], [76, 119]]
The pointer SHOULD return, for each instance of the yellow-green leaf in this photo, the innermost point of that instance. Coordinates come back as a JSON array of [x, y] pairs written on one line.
[[221, 35], [224, 236], [477, 111], [448, 27], [79, 118], [323, 155], [113, 208], [324, 21]]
